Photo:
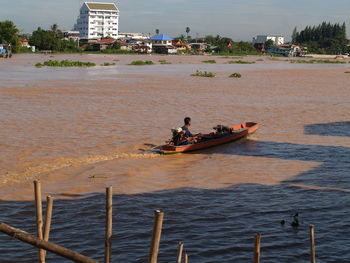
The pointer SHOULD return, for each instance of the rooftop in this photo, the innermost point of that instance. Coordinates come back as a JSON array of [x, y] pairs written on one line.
[[106, 41], [101, 6], [161, 37]]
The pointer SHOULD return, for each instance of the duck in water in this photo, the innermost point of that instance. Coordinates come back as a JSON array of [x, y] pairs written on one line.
[[295, 222]]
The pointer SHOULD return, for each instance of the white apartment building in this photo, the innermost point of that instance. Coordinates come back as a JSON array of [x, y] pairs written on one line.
[[98, 20], [261, 39]]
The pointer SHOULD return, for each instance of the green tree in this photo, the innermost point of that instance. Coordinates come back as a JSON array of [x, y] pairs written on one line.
[[187, 31], [181, 38], [52, 40], [269, 43], [157, 31], [9, 34], [324, 38], [294, 35]]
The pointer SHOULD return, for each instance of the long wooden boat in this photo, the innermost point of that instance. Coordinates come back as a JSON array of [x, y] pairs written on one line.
[[209, 140]]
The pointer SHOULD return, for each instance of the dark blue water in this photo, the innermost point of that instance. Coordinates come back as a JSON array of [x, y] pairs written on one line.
[[215, 225]]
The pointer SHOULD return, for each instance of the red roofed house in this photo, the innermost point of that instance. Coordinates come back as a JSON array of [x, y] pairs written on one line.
[[103, 44]]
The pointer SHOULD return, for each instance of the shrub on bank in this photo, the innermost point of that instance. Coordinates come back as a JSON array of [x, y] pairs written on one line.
[[141, 62], [65, 63], [203, 74]]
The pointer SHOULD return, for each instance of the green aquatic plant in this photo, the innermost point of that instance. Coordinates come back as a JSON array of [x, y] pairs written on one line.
[[235, 75], [210, 61], [141, 62], [347, 72], [65, 63], [260, 59], [240, 62], [203, 74], [163, 62], [108, 64]]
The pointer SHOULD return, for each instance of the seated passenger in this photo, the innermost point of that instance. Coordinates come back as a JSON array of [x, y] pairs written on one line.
[[187, 133]]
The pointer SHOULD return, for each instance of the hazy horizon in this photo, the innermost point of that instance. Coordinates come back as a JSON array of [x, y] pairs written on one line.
[[235, 19]]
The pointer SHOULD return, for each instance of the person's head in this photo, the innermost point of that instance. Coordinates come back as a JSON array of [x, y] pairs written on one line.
[[187, 121]]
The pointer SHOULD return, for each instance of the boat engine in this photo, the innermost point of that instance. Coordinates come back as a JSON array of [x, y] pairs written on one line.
[[177, 136]]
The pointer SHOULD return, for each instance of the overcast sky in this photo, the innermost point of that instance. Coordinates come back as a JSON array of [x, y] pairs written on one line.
[[239, 19]]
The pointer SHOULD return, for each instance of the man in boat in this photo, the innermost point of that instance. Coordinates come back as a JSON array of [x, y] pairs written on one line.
[[188, 136], [187, 133]]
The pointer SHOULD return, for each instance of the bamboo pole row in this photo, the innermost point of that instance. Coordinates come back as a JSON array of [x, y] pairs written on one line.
[[43, 230], [42, 244]]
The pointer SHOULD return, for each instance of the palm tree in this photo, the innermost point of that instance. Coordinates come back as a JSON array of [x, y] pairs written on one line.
[[54, 28], [187, 31], [182, 38]]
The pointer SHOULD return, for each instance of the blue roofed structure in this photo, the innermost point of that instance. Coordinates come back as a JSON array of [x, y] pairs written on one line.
[[161, 37], [163, 44]]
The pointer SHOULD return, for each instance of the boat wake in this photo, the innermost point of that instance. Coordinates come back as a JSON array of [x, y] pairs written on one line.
[[35, 171]]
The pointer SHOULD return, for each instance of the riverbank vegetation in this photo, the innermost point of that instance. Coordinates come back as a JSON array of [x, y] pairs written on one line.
[[203, 74], [9, 34], [325, 38], [226, 46], [53, 40], [317, 61], [65, 63]]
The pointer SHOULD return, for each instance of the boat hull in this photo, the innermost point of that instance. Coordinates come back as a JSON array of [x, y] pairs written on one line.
[[238, 131]]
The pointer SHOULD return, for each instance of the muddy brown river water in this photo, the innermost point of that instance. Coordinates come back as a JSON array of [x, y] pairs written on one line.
[[80, 130]]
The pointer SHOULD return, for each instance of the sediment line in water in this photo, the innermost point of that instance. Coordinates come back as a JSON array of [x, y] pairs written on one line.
[[34, 172]]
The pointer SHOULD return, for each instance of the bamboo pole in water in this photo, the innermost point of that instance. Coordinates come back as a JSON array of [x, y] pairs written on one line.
[[312, 245], [39, 217], [39, 243], [186, 258], [108, 234], [179, 252], [157, 231], [48, 216], [257, 248]]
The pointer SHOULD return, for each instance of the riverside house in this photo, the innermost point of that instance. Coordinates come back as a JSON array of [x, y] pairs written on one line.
[[163, 44]]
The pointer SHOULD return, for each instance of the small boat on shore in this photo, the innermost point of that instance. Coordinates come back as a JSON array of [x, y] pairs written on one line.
[[220, 135]]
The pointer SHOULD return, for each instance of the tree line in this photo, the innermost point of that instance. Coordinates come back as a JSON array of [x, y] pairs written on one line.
[[9, 34], [52, 39], [325, 38]]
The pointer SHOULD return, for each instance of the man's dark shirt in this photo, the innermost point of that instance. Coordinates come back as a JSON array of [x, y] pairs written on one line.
[[187, 131]]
